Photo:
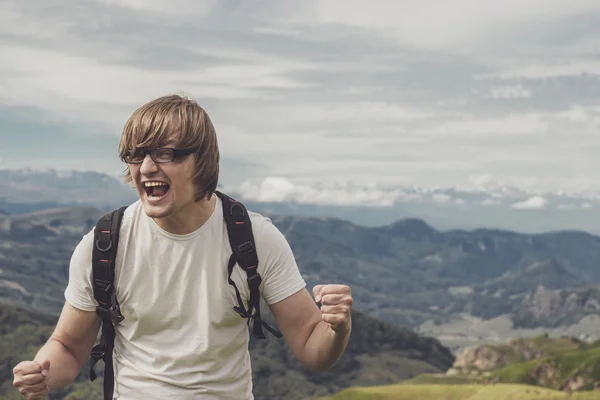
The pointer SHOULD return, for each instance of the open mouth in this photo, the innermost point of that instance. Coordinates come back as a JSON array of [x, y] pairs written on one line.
[[156, 190]]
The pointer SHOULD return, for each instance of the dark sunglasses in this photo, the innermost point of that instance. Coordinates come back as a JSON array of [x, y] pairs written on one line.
[[159, 156]]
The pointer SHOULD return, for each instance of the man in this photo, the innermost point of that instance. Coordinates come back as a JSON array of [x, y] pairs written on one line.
[[181, 337]]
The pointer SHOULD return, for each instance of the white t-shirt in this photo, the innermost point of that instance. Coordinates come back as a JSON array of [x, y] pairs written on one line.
[[181, 338]]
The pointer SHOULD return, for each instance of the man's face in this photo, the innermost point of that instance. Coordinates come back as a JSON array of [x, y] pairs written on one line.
[[164, 189]]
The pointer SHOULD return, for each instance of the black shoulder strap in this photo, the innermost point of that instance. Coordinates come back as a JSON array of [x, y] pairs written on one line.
[[241, 239], [104, 254]]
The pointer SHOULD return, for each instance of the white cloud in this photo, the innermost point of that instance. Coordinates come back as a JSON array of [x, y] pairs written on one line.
[[565, 206], [278, 189], [490, 202], [441, 198], [444, 23], [576, 114], [168, 7], [533, 203], [510, 92], [273, 189], [72, 87], [564, 69], [364, 112], [482, 179], [512, 124]]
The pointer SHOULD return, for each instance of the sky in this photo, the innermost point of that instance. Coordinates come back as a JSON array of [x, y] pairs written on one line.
[[319, 92]]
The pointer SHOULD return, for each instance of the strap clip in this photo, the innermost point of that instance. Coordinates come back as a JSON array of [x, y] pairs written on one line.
[[245, 248], [254, 280]]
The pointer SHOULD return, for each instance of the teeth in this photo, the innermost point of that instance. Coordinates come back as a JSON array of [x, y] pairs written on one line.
[[150, 184]]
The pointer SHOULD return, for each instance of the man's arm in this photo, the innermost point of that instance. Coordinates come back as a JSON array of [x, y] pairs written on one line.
[[70, 345], [317, 338]]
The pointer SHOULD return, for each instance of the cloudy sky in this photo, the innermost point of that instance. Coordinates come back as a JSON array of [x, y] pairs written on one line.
[[428, 93]]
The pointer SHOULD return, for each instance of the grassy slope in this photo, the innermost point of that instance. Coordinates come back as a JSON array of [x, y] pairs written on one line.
[[568, 357], [459, 392]]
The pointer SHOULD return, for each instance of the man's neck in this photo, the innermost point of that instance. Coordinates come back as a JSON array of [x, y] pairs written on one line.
[[188, 219]]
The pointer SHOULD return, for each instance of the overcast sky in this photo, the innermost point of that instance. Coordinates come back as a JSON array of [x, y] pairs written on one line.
[[430, 93]]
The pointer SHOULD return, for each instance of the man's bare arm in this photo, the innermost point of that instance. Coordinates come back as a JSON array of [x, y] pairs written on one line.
[[309, 332], [70, 345]]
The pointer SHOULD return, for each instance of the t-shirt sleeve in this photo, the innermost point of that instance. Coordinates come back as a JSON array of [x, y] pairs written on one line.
[[79, 292], [277, 266]]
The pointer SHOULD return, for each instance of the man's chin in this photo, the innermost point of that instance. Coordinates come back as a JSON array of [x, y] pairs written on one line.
[[156, 211]]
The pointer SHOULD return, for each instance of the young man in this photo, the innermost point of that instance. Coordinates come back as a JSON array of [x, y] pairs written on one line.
[[180, 337]]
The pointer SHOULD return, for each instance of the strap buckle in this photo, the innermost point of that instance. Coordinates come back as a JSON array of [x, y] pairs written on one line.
[[98, 352], [115, 315], [245, 248], [254, 280], [242, 312], [114, 311]]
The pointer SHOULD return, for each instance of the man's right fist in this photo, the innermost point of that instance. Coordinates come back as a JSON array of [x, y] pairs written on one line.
[[30, 379]]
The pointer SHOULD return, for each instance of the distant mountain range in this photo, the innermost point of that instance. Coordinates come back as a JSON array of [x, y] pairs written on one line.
[[489, 206], [406, 273], [23, 191]]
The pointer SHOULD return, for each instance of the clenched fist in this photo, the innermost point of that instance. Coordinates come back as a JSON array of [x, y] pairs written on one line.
[[336, 305], [30, 379]]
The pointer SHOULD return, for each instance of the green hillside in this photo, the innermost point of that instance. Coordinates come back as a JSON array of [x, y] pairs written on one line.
[[565, 364], [536, 368], [558, 363], [459, 392]]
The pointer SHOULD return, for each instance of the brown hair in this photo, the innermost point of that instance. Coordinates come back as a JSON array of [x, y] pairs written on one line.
[[151, 125]]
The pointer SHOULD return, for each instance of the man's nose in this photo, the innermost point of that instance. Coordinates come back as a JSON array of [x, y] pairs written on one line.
[[148, 165]]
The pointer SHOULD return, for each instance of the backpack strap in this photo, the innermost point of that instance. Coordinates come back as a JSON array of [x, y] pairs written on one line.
[[241, 238], [104, 254]]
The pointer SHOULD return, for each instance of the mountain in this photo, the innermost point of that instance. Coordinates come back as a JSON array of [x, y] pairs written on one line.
[[35, 250], [460, 286], [408, 272], [377, 353], [558, 306], [23, 191], [49, 222], [483, 204]]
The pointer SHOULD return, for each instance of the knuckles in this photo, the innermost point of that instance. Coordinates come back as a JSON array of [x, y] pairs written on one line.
[[335, 299], [335, 289]]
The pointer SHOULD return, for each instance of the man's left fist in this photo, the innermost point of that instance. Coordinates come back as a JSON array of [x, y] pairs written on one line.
[[336, 305]]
